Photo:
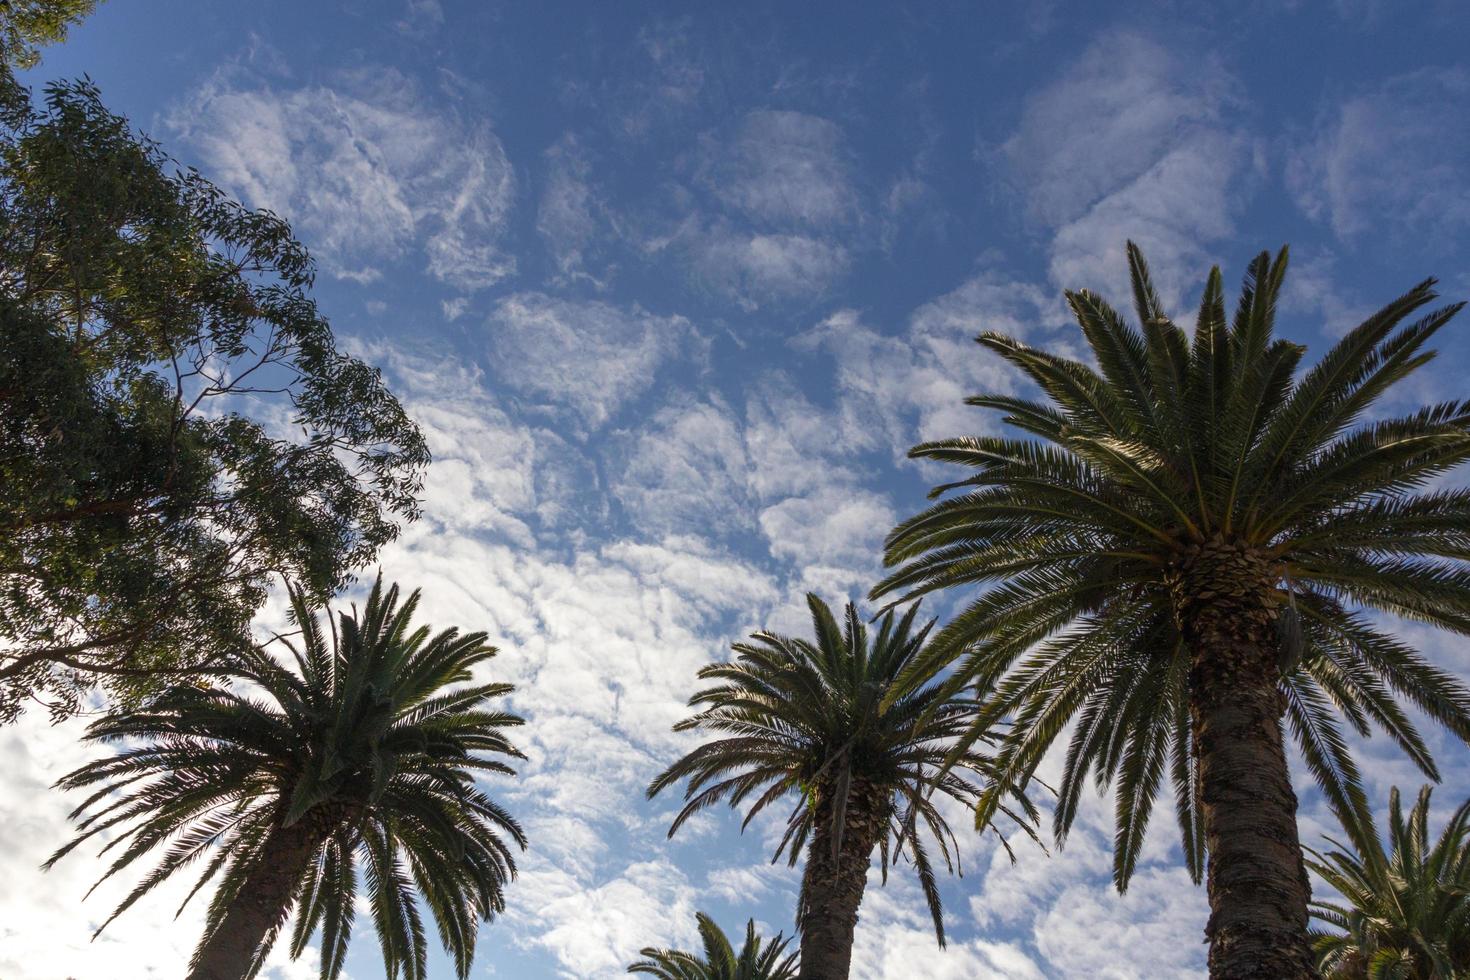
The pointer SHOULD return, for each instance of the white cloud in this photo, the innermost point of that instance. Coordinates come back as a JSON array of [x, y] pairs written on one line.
[[570, 214], [597, 931], [685, 471], [1131, 142], [1109, 118], [1154, 932], [669, 79], [895, 940], [759, 268], [794, 446], [454, 308], [786, 168], [490, 475], [46, 932], [1182, 202], [744, 884], [367, 169], [588, 357], [421, 18], [1397, 157], [773, 212], [836, 526], [897, 390]]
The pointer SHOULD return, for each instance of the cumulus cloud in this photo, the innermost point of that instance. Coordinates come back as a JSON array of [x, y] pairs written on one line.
[[1397, 156], [367, 169]]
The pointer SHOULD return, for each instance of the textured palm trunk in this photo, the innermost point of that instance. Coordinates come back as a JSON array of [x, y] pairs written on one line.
[[832, 888], [1258, 886], [263, 902]]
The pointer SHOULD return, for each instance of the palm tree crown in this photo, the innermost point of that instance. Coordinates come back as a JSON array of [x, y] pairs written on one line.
[[757, 960], [1191, 530], [823, 721], [363, 755], [1405, 913]]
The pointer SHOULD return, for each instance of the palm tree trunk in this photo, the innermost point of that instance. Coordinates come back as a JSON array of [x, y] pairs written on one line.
[[832, 886], [263, 902], [1258, 887]]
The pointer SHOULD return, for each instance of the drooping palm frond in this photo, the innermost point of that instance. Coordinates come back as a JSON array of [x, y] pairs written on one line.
[[789, 716], [1070, 536], [756, 960], [1404, 910], [372, 731]]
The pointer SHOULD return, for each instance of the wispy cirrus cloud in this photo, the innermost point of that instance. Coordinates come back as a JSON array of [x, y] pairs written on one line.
[[571, 216], [583, 359], [782, 167], [367, 168], [1394, 157], [1133, 140]]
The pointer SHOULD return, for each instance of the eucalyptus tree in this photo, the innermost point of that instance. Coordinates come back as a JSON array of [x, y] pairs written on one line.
[[177, 422], [25, 25], [867, 763], [757, 959], [1403, 912], [1183, 551], [285, 785]]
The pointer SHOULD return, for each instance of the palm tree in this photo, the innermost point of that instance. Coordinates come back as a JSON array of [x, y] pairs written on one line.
[[824, 722], [1405, 915], [755, 961], [1179, 555], [284, 784]]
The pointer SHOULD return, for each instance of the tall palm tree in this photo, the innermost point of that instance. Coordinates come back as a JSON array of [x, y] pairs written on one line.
[[284, 784], [757, 960], [1178, 555], [823, 721], [1405, 913]]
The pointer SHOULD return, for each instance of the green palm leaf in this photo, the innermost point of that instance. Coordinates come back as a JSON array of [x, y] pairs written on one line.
[[364, 753]]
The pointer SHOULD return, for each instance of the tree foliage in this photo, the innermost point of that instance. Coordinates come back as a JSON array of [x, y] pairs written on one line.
[[1075, 534], [756, 960], [176, 419], [25, 25], [1404, 913], [373, 741], [808, 719]]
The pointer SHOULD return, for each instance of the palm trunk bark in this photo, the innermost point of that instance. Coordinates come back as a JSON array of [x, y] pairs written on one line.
[[263, 902], [832, 886], [1258, 887]]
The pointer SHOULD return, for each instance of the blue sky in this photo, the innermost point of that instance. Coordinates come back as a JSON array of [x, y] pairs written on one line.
[[673, 287]]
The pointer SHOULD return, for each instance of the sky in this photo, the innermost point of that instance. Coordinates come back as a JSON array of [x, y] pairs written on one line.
[[672, 288]]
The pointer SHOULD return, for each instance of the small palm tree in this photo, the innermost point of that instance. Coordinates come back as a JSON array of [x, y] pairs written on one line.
[[364, 755], [823, 721], [756, 960], [1176, 558], [1404, 914]]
